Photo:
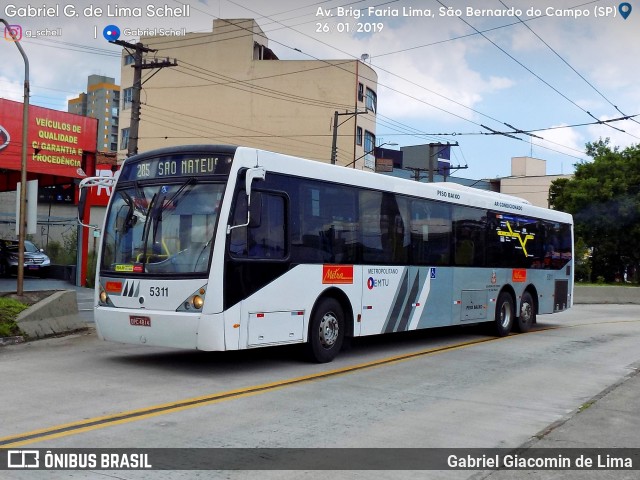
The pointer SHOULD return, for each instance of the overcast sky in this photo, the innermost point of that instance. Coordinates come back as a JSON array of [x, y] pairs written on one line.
[[566, 63]]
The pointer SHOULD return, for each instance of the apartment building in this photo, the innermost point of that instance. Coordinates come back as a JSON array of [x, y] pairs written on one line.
[[229, 87], [101, 101]]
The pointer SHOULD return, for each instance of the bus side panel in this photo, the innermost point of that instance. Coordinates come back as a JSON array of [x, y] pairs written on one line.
[[279, 312], [435, 299], [546, 282], [397, 299], [473, 290]]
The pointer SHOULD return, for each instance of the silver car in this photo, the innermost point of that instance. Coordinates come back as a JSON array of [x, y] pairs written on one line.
[[36, 262]]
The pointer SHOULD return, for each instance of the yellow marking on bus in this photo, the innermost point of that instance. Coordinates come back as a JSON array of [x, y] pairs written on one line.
[[120, 418], [513, 234]]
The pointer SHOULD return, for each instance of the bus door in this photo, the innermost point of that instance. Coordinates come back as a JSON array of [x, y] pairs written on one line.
[[471, 282]]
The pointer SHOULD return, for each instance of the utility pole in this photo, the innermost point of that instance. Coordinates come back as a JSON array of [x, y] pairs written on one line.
[[21, 221], [434, 155], [136, 50], [334, 142]]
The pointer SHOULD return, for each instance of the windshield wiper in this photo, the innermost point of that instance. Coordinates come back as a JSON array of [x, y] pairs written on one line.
[[157, 207]]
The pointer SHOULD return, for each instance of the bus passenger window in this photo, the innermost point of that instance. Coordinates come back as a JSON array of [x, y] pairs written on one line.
[[469, 228], [430, 228]]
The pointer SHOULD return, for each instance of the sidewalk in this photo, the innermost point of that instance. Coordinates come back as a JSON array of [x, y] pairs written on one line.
[[609, 420]]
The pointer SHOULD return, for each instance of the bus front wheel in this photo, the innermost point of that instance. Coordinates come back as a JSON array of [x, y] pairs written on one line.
[[326, 331], [504, 315], [527, 315]]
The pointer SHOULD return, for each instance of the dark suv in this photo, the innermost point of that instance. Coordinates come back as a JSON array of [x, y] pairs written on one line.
[[36, 262]]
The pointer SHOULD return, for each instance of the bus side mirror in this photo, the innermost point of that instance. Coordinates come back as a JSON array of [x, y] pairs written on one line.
[[255, 173]]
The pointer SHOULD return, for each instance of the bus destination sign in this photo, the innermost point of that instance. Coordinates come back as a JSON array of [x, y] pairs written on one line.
[[177, 166]]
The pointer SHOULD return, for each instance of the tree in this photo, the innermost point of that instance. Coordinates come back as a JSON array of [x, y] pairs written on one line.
[[604, 198]]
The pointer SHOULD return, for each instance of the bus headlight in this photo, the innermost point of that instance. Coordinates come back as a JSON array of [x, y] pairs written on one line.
[[194, 302], [198, 301], [103, 298]]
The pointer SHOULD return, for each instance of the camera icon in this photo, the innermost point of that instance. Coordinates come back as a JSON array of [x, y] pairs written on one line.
[[13, 33]]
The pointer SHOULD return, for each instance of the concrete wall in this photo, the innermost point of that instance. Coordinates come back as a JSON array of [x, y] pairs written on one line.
[[606, 294]]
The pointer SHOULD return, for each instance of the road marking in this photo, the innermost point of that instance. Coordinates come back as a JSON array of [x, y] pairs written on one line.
[[95, 423]]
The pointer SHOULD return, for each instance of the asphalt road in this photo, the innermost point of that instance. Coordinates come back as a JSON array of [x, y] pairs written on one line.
[[442, 388]]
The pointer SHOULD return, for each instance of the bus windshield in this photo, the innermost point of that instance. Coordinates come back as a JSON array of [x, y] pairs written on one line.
[[161, 228]]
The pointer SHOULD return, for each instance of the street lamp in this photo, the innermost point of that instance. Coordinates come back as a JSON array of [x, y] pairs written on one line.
[[393, 144], [23, 165]]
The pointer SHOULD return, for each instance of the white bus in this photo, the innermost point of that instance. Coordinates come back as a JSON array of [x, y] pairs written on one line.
[[216, 247]]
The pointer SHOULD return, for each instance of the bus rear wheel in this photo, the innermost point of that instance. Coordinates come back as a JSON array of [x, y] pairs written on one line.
[[326, 331], [504, 315], [527, 316]]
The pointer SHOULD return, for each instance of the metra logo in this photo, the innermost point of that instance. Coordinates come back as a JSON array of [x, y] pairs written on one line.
[[519, 275], [5, 138], [337, 274]]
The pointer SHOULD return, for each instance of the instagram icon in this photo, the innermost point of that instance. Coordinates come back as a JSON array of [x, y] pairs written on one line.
[[13, 33]]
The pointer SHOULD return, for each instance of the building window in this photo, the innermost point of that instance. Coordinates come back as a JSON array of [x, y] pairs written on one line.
[[360, 92], [369, 149], [358, 135], [127, 98], [129, 60], [124, 139], [371, 101]]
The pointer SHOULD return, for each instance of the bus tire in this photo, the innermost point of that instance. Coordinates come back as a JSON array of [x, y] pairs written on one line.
[[326, 331], [527, 316], [505, 312]]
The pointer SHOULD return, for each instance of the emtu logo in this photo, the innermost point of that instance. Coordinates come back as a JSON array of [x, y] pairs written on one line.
[[13, 33]]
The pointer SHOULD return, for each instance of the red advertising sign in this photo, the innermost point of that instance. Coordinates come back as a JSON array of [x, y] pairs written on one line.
[[519, 275], [337, 274], [56, 140]]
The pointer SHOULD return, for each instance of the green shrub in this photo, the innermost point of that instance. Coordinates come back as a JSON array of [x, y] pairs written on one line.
[[54, 251], [9, 310]]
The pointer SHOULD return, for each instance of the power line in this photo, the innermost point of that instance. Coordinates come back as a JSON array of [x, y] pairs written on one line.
[[532, 72], [572, 68]]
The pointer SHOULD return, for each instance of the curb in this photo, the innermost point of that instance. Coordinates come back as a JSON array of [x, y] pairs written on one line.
[[53, 315], [11, 340]]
